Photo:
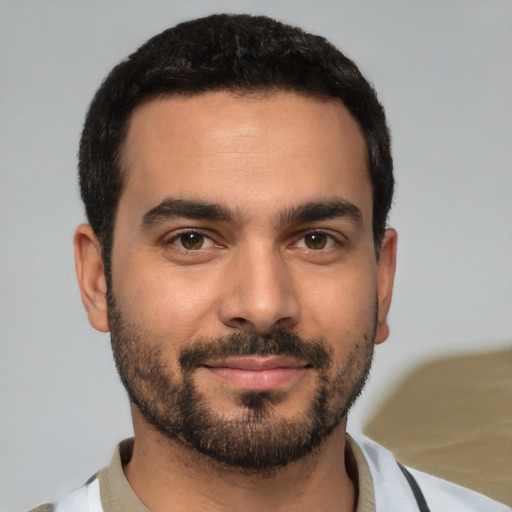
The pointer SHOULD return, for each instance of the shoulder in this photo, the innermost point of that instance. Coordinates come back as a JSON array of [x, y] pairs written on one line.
[[84, 499], [392, 490]]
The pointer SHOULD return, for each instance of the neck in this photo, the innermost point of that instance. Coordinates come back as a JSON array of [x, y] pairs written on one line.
[[167, 476]]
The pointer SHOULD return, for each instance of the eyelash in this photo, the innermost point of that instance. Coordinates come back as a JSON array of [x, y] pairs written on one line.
[[331, 241], [177, 236]]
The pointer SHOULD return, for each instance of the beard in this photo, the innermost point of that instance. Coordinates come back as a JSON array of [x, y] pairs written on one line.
[[256, 438]]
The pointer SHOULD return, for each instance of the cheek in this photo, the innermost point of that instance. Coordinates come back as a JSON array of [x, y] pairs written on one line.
[[172, 303], [341, 306]]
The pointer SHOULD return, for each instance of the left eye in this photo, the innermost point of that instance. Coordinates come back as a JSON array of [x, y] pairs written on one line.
[[192, 241], [316, 241]]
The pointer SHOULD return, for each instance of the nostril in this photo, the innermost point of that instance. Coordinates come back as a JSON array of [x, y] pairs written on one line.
[[240, 322]]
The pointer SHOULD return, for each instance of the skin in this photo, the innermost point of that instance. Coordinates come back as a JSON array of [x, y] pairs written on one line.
[[263, 156]]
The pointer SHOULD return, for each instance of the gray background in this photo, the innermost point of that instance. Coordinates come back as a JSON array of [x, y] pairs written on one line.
[[444, 73]]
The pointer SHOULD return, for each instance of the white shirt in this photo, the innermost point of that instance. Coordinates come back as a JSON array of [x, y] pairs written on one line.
[[391, 490]]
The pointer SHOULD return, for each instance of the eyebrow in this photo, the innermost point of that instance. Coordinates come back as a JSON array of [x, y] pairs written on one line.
[[171, 208], [321, 210]]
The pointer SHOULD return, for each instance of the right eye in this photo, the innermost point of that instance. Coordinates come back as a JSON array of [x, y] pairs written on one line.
[[191, 241]]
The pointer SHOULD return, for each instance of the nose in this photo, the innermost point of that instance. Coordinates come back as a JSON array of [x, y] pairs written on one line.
[[259, 295]]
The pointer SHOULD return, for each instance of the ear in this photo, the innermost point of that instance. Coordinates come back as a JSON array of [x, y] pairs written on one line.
[[91, 276], [385, 278]]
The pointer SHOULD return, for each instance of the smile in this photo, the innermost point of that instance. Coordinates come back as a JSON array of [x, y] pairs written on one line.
[[257, 373]]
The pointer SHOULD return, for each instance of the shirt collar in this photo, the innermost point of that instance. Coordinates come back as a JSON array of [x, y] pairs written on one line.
[[118, 496]]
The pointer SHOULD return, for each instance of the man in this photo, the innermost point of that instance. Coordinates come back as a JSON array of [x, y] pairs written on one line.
[[237, 178]]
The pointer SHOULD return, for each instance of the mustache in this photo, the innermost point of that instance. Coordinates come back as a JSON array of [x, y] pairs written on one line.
[[280, 342]]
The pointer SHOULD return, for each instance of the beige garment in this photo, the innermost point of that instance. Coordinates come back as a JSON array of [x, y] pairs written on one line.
[[118, 496], [453, 418]]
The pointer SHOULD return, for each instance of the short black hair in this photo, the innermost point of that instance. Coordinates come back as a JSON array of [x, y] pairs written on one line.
[[238, 53]]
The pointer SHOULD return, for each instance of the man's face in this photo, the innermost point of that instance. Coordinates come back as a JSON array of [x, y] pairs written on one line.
[[245, 298]]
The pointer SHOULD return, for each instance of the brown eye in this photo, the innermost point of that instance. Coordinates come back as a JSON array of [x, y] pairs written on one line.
[[191, 241], [315, 241]]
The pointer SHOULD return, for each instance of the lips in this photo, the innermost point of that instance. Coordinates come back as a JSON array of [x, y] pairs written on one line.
[[256, 363], [255, 372]]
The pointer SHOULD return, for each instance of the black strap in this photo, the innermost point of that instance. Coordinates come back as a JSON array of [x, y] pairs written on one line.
[[415, 488]]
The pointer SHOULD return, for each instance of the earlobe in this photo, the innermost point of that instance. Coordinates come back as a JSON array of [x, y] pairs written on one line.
[[91, 276], [385, 278]]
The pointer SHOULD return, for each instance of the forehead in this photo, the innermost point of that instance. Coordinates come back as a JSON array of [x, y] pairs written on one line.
[[250, 150]]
